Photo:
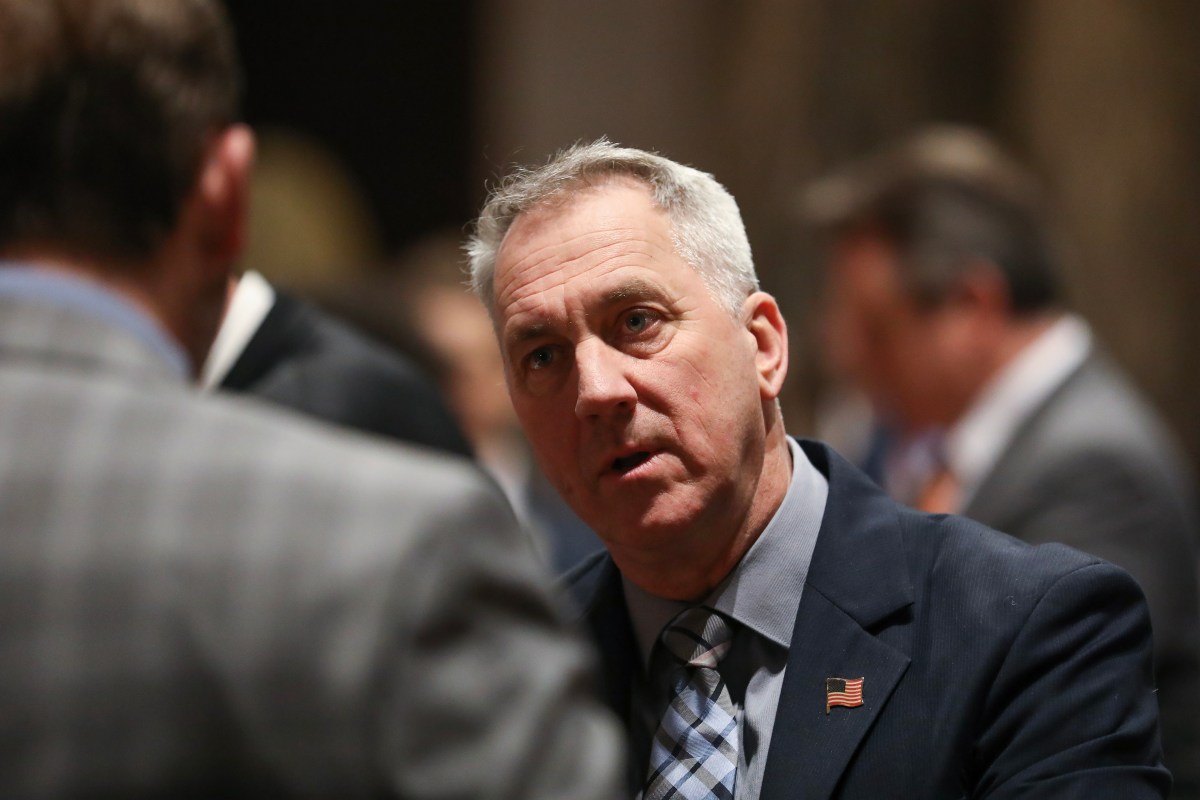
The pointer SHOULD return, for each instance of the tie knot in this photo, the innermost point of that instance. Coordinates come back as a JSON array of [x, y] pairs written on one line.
[[698, 637]]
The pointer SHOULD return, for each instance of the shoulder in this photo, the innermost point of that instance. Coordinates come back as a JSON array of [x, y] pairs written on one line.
[[334, 372], [265, 435], [313, 343], [870, 545], [953, 554], [1099, 416], [588, 582]]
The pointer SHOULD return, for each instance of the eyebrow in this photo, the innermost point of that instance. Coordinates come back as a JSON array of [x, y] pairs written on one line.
[[524, 334], [634, 289]]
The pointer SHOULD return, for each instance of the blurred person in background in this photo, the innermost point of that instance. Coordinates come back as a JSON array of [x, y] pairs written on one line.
[[203, 597], [278, 347], [770, 623], [944, 307], [306, 215]]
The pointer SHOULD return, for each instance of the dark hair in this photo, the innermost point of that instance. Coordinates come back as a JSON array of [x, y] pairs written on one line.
[[946, 199], [105, 110]]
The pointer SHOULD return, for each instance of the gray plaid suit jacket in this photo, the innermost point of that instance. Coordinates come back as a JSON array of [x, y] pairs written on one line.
[[205, 597]]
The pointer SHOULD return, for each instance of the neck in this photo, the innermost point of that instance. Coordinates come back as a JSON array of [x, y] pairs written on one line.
[[120, 278], [137, 283], [989, 357], [1017, 335]]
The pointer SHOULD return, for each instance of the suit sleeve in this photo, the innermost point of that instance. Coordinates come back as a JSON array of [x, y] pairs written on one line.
[[1102, 505], [1072, 713], [487, 693]]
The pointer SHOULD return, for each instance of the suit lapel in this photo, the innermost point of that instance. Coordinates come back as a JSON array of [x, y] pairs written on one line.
[[858, 578], [1003, 486], [602, 608], [600, 599], [282, 330]]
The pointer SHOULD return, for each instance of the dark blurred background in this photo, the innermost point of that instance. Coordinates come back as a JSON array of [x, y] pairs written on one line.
[[381, 123]]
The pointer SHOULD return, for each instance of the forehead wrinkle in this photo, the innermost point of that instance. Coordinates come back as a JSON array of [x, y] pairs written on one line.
[[605, 226], [612, 253]]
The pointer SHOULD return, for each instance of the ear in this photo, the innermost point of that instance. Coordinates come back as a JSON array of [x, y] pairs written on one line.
[[223, 193], [765, 323]]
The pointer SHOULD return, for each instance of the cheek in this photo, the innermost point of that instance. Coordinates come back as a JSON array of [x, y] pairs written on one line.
[[918, 367], [550, 431]]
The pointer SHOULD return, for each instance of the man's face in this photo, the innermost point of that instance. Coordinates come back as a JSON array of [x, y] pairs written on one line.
[[639, 393], [878, 337]]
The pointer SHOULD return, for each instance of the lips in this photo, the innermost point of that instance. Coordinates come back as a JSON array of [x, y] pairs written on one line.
[[624, 464]]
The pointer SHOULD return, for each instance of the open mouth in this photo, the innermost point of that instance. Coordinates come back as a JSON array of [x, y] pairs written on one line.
[[632, 461]]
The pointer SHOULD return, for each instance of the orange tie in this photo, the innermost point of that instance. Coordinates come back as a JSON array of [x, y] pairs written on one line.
[[940, 494]]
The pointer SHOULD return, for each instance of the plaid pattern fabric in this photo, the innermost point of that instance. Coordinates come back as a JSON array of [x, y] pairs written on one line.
[[203, 597], [695, 750]]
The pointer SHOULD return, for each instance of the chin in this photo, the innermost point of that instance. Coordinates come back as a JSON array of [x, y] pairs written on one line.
[[652, 529]]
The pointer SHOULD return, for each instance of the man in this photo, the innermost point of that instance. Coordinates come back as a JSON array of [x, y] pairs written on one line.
[[817, 639], [277, 347], [944, 306], [202, 598]]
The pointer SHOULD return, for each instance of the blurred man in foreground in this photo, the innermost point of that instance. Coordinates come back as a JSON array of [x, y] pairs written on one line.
[[771, 625], [201, 598], [944, 305]]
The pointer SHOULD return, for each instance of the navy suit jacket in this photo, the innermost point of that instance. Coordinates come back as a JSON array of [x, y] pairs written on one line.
[[992, 668]]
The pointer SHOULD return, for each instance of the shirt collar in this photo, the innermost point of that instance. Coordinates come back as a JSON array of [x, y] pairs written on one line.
[[78, 294], [974, 444], [763, 591], [252, 299]]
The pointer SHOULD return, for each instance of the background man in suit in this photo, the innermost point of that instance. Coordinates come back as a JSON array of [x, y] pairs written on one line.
[[944, 307], [283, 349], [818, 639], [202, 598]]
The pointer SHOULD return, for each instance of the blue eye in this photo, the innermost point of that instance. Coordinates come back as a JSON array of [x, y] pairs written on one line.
[[637, 321]]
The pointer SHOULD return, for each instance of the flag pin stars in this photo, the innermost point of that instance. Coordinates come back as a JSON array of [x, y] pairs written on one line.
[[846, 692]]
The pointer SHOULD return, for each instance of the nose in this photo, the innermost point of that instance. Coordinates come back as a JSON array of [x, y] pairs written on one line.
[[604, 388]]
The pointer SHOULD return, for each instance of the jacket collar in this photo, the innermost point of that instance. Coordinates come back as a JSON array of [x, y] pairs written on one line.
[[286, 328], [858, 579], [71, 340]]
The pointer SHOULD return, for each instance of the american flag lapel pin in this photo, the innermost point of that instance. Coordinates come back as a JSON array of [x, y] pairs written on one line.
[[846, 692]]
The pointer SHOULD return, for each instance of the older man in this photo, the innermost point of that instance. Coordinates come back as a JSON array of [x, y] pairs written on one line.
[[771, 625]]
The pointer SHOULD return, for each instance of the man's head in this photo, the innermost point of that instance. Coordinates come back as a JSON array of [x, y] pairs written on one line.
[[118, 148], [941, 266], [642, 361]]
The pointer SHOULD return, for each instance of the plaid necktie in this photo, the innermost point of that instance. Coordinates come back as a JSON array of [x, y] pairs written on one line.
[[695, 750]]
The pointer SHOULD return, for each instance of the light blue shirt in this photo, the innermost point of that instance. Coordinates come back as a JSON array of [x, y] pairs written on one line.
[[762, 594], [62, 290]]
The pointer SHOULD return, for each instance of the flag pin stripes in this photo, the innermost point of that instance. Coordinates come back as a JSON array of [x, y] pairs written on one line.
[[846, 692]]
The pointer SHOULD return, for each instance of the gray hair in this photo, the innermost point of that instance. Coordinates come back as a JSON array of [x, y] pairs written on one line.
[[706, 226]]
